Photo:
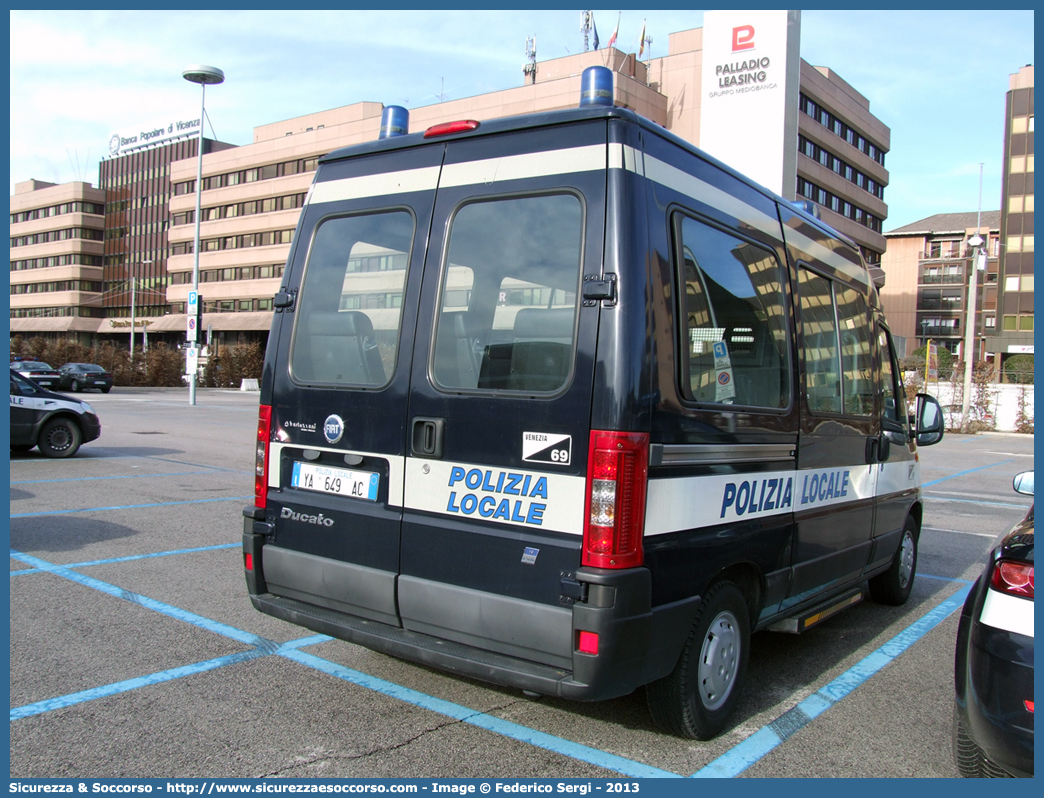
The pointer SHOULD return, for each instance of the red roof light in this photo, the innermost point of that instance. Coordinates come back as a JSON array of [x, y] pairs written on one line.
[[446, 128]]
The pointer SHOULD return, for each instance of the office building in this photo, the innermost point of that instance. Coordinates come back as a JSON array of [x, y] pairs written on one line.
[[253, 194], [927, 266], [1013, 333], [57, 241]]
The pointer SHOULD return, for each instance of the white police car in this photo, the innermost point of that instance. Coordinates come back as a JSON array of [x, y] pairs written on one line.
[[53, 423]]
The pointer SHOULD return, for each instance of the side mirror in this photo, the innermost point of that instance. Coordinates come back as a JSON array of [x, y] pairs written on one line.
[[1023, 483], [930, 422]]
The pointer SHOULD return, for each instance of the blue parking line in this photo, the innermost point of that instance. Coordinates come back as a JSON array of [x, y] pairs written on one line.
[[473, 717], [767, 738], [974, 501], [962, 473], [733, 762], [51, 704], [263, 647], [144, 601], [131, 507], [92, 479], [132, 557]]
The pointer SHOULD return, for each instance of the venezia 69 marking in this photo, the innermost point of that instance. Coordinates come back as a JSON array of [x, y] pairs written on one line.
[[547, 447]]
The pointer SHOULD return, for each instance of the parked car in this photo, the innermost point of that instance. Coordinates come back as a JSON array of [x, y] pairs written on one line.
[[40, 373], [993, 672], [53, 423], [82, 376]]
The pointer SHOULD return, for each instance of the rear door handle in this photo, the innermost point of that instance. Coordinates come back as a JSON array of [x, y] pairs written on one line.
[[426, 437]]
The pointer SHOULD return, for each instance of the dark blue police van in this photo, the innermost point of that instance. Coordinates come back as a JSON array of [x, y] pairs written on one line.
[[561, 403]]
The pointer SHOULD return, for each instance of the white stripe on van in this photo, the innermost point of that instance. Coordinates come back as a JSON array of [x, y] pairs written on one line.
[[528, 165], [675, 504], [535, 500], [396, 467], [379, 185], [622, 156]]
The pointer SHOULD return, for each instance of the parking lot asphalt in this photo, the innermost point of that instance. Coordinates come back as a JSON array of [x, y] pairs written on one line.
[[135, 651]]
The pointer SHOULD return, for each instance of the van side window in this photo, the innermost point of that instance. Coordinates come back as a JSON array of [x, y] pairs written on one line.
[[350, 305], [857, 379], [508, 302], [892, 383], [732, 319], [835, 327]]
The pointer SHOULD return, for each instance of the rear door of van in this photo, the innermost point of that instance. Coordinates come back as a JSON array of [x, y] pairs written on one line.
[[340, 391], [498, 417]]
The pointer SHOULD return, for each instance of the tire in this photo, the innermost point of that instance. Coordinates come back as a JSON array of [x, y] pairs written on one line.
[[59, 437], [967, 756], [894, 585], [697, 698], [74, 386], [106, 389]]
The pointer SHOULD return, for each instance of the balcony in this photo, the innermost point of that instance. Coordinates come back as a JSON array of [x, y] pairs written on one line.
[[935, 279]]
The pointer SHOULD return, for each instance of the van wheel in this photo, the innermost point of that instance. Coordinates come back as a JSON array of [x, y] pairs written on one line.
[[894, 585], [59, 438], [696, 699]]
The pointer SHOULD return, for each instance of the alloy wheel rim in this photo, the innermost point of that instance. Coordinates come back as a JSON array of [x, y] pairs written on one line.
[[719, 660]]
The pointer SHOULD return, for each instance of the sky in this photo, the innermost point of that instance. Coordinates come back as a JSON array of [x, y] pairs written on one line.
[[936, 78]]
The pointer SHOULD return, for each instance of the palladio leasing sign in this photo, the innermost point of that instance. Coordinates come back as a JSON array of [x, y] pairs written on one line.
[[750, 85], [150, 135]]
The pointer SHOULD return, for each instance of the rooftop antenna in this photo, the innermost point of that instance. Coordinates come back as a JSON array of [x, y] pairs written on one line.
[[530, 68]]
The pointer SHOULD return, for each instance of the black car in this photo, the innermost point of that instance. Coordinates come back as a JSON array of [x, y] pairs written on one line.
[[54, 423], [81, 376], [993, 711], [40, 373]]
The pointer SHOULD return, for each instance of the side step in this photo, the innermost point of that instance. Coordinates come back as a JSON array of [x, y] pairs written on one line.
[[796, 624]]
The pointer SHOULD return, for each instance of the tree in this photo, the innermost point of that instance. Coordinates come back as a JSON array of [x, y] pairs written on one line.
[[915, 362], [1019, 369]]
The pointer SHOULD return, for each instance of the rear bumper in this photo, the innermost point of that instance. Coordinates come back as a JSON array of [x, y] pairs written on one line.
[[994, 677], [636, 644]]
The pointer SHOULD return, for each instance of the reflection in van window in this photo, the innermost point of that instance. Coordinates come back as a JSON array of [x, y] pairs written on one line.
[[734, 345], [836, 385], [508, 300], [857, 379], [819, 333], [350, 306]]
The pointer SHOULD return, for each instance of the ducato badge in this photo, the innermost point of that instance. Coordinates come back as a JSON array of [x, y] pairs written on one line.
[[333, 429]]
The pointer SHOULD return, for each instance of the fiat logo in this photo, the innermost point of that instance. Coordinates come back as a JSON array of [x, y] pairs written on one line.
[[333, 428]]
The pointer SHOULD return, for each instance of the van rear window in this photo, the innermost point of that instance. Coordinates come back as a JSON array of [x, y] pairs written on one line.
[[350, 306], [733, 321], [508, 302]]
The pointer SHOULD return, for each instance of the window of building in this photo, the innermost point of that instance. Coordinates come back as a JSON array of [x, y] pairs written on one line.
[[1009, 322], [991, 322], [1025, 323], [1026, 282]]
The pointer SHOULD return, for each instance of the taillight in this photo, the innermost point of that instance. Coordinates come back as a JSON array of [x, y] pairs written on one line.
[[1013, 578], [264, 434], [617, 472], [248, 561]]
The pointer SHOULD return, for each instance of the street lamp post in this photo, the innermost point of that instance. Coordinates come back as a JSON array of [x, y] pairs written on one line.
[[134, 285], [976, 242], [204, 76]]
